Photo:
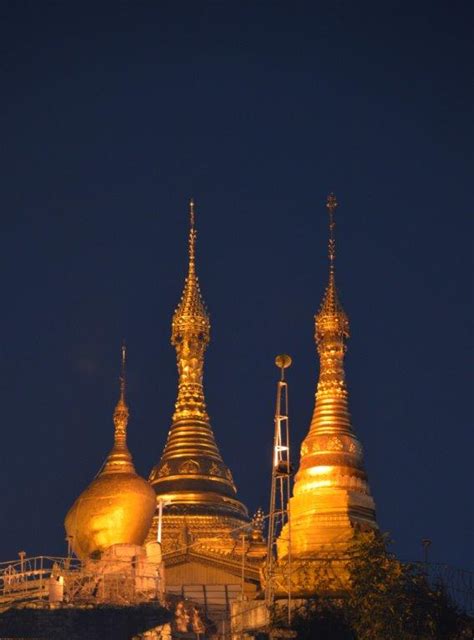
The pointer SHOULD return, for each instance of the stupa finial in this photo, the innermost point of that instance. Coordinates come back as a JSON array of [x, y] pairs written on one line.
[[190, 334], [331, 332], [119, 458], [191, 308], [331, 317]]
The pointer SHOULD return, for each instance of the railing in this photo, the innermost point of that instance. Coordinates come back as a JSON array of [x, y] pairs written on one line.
[[36, 564], [53, 579], [213, 599], [29, 579]]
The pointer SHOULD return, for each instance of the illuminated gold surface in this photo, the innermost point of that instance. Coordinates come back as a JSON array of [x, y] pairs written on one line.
[[118, 506], [191, 474], [331, 495]]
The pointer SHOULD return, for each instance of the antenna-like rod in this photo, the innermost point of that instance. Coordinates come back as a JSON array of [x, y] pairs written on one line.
[[192, 236], [191, 213], [331, 205], [123, 379]]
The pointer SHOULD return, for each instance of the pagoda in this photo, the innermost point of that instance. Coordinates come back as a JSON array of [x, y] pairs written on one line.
[[118, 506], [331, 495], [204, 528]]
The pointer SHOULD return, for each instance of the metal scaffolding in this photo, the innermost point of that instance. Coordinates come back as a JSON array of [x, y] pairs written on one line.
[[279, 512]]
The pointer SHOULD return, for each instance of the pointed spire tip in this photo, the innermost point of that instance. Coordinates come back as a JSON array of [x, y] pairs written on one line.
[[331, 310], [123, 371], [331, 202], [191, 213]]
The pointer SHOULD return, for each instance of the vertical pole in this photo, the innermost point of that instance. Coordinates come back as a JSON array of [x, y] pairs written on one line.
[[160, 521], [204, 593], [279, 515], [41, 576], [242, 577], [22, 555], [242, 587], [288, 495]]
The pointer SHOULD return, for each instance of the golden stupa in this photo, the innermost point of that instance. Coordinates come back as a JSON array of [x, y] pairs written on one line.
[[202, 517], [331, 495], [118, 506]]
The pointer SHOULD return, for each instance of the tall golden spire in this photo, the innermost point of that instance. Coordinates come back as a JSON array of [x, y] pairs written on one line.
[[191, 469], [331, 331], [331, 494], [190, 334], [191, 306]]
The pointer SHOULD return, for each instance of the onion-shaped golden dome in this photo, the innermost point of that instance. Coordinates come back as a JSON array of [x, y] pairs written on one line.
[[118, 506]]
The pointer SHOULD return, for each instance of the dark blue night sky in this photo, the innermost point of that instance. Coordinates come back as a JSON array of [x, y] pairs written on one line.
[[112, 116]]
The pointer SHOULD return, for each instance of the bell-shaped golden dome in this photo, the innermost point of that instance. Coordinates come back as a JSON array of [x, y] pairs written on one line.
[[191, 475], [118, 506]]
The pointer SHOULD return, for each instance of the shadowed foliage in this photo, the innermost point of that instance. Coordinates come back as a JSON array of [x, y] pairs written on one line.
[[388, 600]]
